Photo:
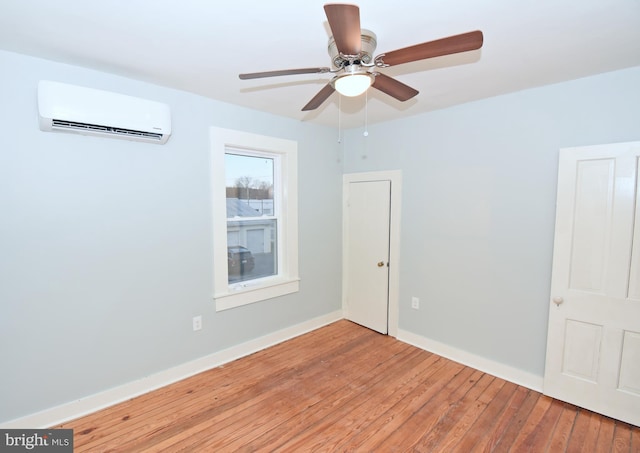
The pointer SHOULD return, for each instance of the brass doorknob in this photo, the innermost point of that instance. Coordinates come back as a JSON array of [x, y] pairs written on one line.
[[381, 263]]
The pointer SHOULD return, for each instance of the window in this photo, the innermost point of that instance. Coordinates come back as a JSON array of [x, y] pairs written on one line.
[[255, 226], [252, 223]]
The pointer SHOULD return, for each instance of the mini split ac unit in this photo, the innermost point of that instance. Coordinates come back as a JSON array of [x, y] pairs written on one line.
[[70, 108]]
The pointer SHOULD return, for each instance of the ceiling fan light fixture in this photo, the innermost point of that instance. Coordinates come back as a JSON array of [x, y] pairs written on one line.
[[353, 84]]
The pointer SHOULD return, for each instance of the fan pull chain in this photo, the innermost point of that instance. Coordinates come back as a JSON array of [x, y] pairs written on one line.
[[366, 113], [339, 118]]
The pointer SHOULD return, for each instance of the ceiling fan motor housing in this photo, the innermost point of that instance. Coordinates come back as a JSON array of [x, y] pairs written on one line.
[[368, 47]]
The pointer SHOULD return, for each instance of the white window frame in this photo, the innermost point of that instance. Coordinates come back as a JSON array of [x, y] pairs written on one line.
[[233, 295]]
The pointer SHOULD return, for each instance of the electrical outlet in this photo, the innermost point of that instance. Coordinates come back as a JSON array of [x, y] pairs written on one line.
[[197, 323], [415, 303]]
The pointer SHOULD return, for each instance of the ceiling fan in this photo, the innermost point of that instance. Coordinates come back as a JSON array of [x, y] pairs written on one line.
[[351, 49]]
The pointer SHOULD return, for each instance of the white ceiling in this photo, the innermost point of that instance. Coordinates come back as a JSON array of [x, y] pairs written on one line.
[[202, 45]]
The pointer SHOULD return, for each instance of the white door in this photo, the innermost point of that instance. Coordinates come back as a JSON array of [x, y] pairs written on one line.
[[593, 343], [367, 253]]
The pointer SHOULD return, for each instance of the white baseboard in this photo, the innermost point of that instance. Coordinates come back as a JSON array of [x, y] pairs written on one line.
[[83, 406], [508, 373]]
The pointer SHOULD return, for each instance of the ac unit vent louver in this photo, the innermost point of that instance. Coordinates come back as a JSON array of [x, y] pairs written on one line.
[[60, 124], [80, 110]]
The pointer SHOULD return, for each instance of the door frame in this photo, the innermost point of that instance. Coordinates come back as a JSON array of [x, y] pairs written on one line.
[[395, 177]]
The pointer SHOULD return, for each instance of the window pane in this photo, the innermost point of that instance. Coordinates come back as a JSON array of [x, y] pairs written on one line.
[[251, 249], [249, 183], [251, 243]]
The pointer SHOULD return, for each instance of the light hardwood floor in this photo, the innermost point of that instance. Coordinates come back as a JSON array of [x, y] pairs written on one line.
[[345, 388]]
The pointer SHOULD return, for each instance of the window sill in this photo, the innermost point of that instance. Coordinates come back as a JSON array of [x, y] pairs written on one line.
[[239, 296]]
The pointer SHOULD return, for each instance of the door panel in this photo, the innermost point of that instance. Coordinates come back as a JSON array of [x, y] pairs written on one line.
[[630, 365], [593, 345], [367, 270], [582, 350], [592, 224], [255, 240], [634, 277]]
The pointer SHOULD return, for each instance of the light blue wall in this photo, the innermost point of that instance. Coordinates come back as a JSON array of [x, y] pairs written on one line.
[[105, 245], [478, 207]]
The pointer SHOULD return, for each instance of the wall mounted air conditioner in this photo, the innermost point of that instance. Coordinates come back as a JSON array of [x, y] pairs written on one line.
[[80, 110]]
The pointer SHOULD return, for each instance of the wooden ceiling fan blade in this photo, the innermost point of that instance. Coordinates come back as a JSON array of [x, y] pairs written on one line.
[[445, 46], [393, 87], [344, 21], [259, 75], [319, 98]]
